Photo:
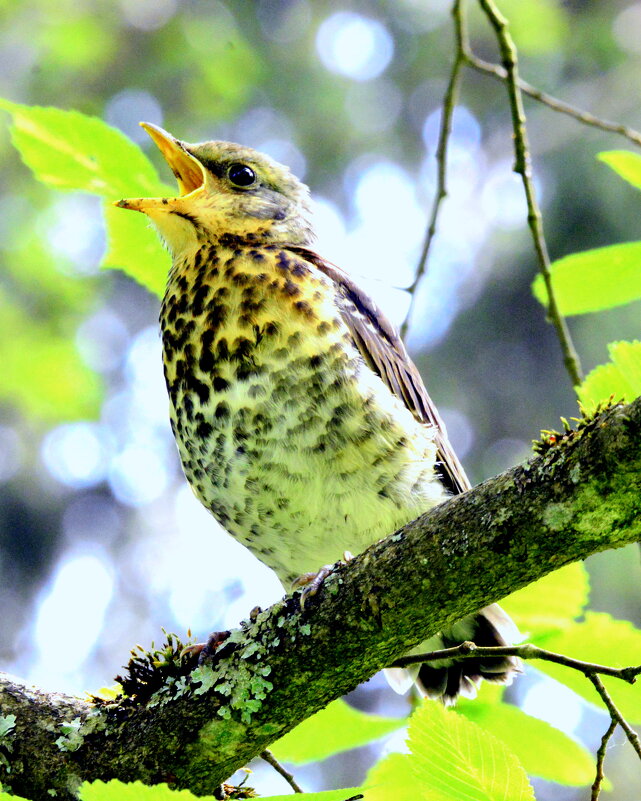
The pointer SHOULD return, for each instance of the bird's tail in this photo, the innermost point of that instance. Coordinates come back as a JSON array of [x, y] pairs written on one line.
[[446, 679]]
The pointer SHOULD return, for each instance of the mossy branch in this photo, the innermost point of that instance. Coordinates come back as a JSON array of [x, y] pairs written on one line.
[[579, 497]]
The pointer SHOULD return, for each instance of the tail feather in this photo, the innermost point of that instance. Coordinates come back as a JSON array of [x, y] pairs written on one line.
[[446, 679]]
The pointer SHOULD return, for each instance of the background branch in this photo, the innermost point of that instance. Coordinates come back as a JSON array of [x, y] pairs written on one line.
[[445, 129], [600, 759], [522, 166], [554, 103], [522, 651], [285, 665]]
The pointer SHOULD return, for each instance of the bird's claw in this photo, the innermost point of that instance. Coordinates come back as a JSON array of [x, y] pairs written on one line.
[[311, 582], [204, 650]]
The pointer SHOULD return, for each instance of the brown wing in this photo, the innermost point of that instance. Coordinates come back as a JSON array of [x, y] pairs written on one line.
[[384, 352]]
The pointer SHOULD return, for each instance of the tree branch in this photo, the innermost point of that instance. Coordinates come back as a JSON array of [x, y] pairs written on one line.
[[554, 103], [600, 759], [579, 497], [445, 129], [522, 651], [523, 166]]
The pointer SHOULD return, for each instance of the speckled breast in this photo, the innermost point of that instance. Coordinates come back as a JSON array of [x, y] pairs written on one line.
[[292, 442]]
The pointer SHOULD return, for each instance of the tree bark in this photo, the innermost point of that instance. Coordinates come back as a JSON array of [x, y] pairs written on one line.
[[581, 496]]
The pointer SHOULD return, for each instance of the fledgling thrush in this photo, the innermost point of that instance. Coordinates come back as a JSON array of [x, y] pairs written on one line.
[[301, 422]]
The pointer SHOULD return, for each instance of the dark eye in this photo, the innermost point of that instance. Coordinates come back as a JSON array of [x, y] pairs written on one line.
[[241, 175]]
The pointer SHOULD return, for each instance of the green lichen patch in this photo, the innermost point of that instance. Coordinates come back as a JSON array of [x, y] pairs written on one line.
[[7, 726], [557, 516], [74, 731]]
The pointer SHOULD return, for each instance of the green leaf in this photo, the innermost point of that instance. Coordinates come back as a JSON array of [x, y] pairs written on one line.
[[115, 790], [600, 639], [625, 163], [620, 377], [324, 795], [550, 603], [336, 728], [594, 279], [134, 247], [543, 750], [451, 759], [394, 778], [70, 150]]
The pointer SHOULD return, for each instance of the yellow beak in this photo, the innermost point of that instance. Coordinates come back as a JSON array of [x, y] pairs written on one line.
[[188, 170]]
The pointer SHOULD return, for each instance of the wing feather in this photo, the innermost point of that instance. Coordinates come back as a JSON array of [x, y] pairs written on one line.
[[384, 352]]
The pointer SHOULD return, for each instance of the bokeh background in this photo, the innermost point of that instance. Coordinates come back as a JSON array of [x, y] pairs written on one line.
[[101, 541]]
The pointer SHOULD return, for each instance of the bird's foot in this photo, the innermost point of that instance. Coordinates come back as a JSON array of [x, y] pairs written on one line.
[[205, 650], [311, 582]]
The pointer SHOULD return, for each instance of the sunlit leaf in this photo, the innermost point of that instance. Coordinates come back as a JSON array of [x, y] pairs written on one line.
[[336, 728], [394, 777], [625, 163], [134, 247], [543, 750], [594, 279], [451, 759], [550, 603], [620, 377], [115, 790], [70, 150], [603, 640], [324, 795]]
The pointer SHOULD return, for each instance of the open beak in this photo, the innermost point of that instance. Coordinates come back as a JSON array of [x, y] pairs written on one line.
[[188, 170]]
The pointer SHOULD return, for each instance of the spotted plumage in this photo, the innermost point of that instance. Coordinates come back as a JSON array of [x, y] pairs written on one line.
[[301, 422]]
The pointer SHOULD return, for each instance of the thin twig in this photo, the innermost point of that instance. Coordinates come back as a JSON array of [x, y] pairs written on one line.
[[585, 117], [445, 129], [271, 759], [523, 651], [633, 737], [600, 759], [522, 166]]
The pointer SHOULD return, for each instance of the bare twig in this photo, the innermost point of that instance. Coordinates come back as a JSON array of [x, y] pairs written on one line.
[[445, 129], [271, 759], [600, 759], [523, 651], [523, 167], [585, 117], [615, 714]]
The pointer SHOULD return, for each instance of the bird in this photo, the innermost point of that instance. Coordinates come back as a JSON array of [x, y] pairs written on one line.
[[301, 422]]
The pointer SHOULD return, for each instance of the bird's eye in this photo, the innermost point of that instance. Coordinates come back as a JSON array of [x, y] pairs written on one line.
[[241, 175]]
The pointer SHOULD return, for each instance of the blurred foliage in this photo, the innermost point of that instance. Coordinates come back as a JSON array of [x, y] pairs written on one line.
[[254, 73], [619, 378], [338, 727]]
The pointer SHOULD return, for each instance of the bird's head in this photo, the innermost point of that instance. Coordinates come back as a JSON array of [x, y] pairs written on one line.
[[225, 190]]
